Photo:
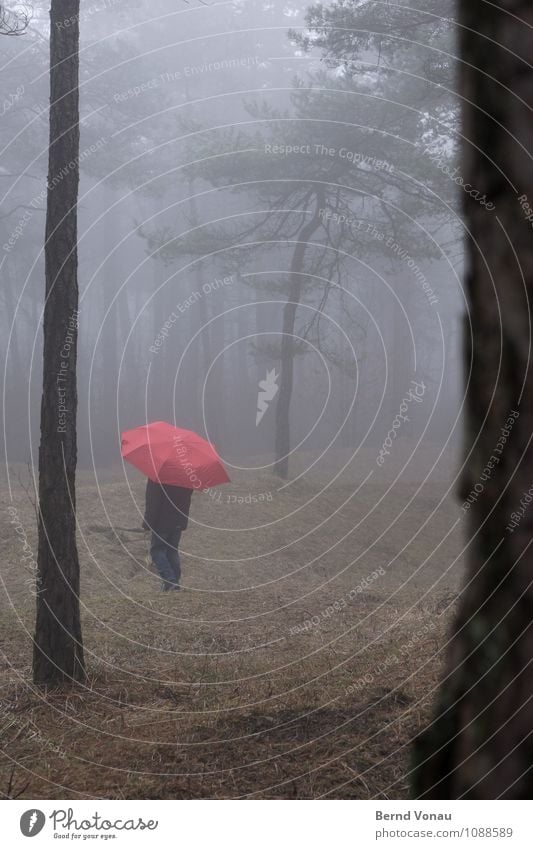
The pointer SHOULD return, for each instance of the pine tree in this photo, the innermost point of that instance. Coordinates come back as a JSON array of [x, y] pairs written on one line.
[[58, 649]]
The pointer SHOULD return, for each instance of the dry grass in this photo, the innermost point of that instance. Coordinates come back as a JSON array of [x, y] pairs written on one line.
[[223, 690]]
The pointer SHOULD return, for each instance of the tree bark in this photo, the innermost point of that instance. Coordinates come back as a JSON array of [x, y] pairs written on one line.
[[479, 744], [296, 281], [58, 651]]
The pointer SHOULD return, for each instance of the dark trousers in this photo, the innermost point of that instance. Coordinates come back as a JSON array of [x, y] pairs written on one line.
[[164, 553]]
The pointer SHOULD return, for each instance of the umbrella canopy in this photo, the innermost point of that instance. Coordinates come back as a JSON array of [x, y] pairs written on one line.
[[172, 455]]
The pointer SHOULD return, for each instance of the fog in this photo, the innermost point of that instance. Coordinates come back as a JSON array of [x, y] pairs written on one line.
[[229, 170]]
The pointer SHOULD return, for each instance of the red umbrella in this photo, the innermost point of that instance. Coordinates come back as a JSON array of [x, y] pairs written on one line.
[[172, 455]]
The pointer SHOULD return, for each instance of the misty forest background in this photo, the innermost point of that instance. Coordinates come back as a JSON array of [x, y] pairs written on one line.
[[180, 108]]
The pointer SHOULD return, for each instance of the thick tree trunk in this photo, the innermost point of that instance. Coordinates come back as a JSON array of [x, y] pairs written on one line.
[[479, 744], [296, 281], [58, 651]]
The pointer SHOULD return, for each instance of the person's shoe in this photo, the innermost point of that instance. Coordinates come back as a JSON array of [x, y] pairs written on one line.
[[166, 587]]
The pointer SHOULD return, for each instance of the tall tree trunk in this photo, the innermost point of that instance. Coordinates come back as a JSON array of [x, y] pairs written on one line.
[[15, 365], [58, 650], [202, 362], [203, 344], [479, 744], [296, 281]]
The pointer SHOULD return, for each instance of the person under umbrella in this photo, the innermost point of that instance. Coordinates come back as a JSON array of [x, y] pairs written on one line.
[[176, 462], [166, 515]]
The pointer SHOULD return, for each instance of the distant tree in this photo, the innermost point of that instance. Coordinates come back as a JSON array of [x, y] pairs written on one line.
[[58, 649], [393, 32], [479, 743], [327, 188]]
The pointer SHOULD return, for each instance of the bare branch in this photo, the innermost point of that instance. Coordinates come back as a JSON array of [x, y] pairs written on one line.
[[14, 22]]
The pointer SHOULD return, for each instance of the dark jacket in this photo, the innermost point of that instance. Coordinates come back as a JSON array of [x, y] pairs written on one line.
[[167, 507]]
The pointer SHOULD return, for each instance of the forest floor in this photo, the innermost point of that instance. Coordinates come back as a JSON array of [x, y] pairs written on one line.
[[300, 660]]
